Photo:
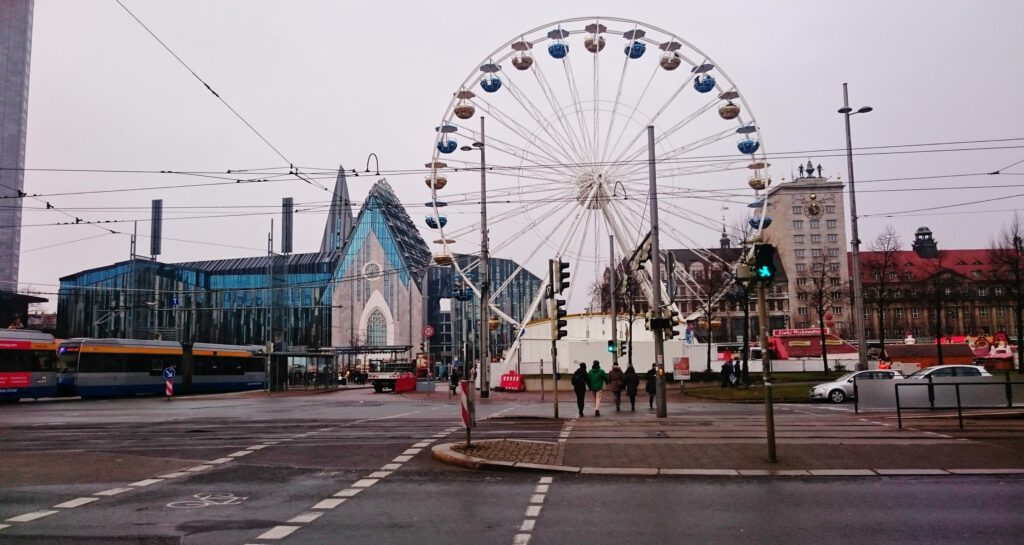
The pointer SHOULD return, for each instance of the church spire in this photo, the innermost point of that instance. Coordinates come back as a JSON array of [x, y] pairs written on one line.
[[339, 219]]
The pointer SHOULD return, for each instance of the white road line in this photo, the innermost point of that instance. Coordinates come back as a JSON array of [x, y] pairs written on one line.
[[174, 475], [546, 480], [541, 489], [528, 525], [521, 539], [305, 518], [220, 460], [2, 526], [29, 517], [77, 502], [347, 493], [199, 468], [402, 459], [533, 511], [390, 467], [422, 444], [412, 451], [537, 498], [271, 442], [364, 483], [240, 453], [278, 532], [329, 503], [146, 482], [378, 475], [257, 447], [112, 492]]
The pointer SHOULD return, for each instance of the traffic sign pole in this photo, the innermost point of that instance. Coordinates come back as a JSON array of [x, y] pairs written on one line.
[[168, 383]]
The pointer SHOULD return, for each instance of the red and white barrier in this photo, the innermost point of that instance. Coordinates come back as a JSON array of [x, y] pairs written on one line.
[[168, 388], [466, 391]]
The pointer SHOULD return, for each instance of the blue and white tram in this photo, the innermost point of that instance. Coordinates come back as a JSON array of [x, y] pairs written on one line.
[[117, 367], [28, 366]]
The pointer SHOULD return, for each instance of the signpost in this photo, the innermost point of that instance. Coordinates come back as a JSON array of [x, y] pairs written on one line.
[[468, 404], [168, 382]]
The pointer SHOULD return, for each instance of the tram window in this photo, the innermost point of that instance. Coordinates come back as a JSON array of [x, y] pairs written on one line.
[[102, 363], [44, 361], [15, 360]]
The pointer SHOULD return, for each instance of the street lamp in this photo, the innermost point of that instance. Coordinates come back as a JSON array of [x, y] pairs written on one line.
[[858, 289], [485, 297]]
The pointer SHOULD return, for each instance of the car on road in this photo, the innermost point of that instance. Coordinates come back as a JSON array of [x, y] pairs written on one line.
[[841, 389], [938, 371]]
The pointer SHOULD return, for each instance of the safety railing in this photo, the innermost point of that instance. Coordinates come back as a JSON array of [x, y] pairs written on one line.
[[957, 386]]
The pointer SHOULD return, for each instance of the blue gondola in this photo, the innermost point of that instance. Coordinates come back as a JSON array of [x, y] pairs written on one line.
[[558, 50], [636, 50], [755, 222], [704, 83], [490, 83], [447, 145], [433, 223], [748, 146]]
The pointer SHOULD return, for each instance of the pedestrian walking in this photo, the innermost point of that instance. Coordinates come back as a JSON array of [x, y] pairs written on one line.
[[579, 385], [596, 380], [652, 384], [736, 377], [632, 384], [617, 383], [726, 373], [454, 384]]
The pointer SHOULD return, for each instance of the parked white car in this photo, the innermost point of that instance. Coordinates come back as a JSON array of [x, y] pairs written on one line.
[[841, 388], [937, 371]]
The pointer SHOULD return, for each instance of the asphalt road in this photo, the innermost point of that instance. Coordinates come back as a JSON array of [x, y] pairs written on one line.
[[354, 467]]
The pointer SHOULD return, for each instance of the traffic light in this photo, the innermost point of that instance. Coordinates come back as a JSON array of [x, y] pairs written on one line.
[[764, 263], [622, 347], [673, 320], [558, 325], [611, 346], [559, 275]]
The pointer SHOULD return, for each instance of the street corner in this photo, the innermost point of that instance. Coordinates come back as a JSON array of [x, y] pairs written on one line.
[[504, 454]]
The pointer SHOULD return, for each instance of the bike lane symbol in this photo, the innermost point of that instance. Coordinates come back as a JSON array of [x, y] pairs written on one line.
[[208, 500]]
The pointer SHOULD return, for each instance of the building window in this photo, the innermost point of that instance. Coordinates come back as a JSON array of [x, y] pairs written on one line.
[[376, 329], [982, 292], [818, 267], [897, 313], [798, 239], [1000, 311], [833, 252], [833, 281], [798, 224], [799, 253], [802, 296], [891, 276], [948, 291], [1000, 327], [998, 291], [832, 237], [897, 294], [815, 224], [816, 252], [976, 275], [797, 210], [801, 281], [915, 313], [802, 311], [983, 312], [831, 224], [815, 239], [838, 311], [833, 267], [916, 331], [801, 267], [830, 209]]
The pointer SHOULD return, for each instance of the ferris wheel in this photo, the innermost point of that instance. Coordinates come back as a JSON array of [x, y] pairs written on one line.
[[567, 106]]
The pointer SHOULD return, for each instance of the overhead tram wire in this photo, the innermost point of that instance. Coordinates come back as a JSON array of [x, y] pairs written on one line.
[[292, 170]]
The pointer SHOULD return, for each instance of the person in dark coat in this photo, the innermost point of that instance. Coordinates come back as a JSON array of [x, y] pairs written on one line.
[[726, 374], [617, 383], [456, 376], [579, 386], [632, 383], [652, 384]]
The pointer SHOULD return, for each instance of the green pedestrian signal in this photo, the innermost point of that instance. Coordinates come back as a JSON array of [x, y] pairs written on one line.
[[764, 263]]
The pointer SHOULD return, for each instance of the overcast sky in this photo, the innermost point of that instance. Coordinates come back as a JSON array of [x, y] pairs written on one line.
[[328, 82]]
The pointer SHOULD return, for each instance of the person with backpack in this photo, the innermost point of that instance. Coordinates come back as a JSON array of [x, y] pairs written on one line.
[[596, 380], [579, 386], [617, 381]]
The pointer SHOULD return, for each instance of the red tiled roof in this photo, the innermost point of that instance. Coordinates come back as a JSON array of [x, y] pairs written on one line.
[[962, 262]]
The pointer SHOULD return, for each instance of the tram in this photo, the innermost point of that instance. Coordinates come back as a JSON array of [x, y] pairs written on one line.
[[28, 366], [124, 367]]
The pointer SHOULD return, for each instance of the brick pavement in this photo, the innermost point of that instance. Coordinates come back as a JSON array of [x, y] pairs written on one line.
[[535, 452]]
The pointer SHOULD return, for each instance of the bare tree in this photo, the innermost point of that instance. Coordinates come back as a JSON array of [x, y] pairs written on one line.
[[1007, 257], [712, 283], [629, 299], [940, 293], [823, 287], [884, 268]]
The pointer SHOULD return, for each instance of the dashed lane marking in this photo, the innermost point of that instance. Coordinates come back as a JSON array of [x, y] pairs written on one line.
[[77, 502], [278, 532], [202, 467], [364, 483], [528, 525], [533, 511], [2, 526], [240, 453], [257, 447], [29, 517], [348, 492], [112, 492], [329, 503], [402, 459], [521, 539], [412, 451], [147, 482], [541, 489], [221, 460], [379, 474], [546, 480], [537, 498], [390, 467], [305, 518], [174, 475]]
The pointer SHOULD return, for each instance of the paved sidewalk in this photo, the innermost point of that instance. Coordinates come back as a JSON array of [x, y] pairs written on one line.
[[730, 439]]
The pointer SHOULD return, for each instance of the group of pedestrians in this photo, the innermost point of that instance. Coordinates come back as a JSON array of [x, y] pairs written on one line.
[[617, 380]]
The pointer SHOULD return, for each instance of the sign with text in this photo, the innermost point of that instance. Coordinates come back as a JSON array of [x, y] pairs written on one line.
[[681, 368], [15, 380], [802, 332]]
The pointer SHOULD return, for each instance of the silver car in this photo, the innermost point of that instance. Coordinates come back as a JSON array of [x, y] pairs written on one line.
[[937, 371], [841, 388]]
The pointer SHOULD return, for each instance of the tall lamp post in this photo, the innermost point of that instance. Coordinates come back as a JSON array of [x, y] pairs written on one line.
[[485, 281], [858, 289]]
